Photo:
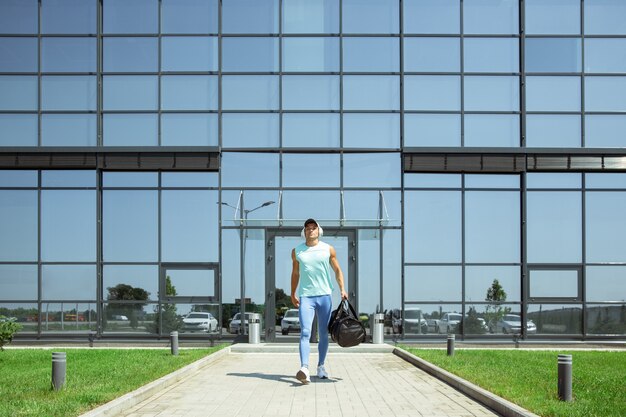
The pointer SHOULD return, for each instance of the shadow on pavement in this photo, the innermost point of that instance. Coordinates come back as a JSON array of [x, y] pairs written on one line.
[[282, 378]]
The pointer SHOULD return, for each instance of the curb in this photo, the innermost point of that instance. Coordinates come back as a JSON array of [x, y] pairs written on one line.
[[135, 397], [488, 399]]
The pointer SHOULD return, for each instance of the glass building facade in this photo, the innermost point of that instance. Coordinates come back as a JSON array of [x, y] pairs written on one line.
[[466, 158]]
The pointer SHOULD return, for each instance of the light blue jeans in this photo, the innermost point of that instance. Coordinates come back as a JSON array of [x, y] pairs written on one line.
[[321, 305]]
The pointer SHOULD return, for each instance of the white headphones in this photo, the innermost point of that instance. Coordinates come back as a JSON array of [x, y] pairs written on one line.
[[318, 228]]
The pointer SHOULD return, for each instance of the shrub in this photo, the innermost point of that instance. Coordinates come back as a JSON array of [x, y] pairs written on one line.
[[8, 327]]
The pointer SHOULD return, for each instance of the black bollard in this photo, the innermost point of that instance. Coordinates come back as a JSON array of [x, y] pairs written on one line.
[[565, 377], [174, 342], [450, 345], [59, 365]]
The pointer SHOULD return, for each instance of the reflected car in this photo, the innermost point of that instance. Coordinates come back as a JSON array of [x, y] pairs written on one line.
[[449, 323], [290, 321], [200, 321], [120, 317], [235, 323], [512, 324], [413, 322]]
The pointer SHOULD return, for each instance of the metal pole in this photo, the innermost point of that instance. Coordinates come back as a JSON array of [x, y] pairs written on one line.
[[59, 365], [174, 342], [565, 377], [451, 345]]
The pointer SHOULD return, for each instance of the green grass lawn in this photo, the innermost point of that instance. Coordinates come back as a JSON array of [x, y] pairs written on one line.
[[529, 378], [93, 377]]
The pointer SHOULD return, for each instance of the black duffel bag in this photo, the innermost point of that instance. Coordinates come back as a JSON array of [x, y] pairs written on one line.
[[344, 327]]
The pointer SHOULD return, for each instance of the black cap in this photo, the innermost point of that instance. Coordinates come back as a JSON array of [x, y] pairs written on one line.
[[310, 221]]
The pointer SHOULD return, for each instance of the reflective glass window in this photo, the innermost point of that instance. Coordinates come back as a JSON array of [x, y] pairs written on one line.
[[250, 16], [68, 317], [535, 180], [256, 54], [605, 131], [363, 208], [605, 93], [432, 130], [130, 55], [432, 16], [18, 222], [310, 92], [310, 16], [68, 225], [189, 16], [18, 130], [432, 283], [189, 179], [554, 227], [556, 17], [18, 92], [311, 54], [605, 55], [130, 179], [495, 130], [371, 130], [68, 282], [297, 170], [553, 93], [553, 131], [130, 129], [432, 180], [371, 92], [19, 16], [130, 92], [605, 180], [432, 226], [553, 283], [371, 170], [18, 282], [249, 92], [392, 270], [605, 17], [261, 170], [68, 16], [553, 55], [16, 179], [605, 319], [298, 205], [249, 130], [121, 16], [432, 54], [68, 130], [494, 181], [370, 16], [371, 54], [491, 17], [432, 92], [492, 226], [606, 283], [141, 277], [130, 226], [68, 55], [189, 92], [179, 129], [68, 178], [491, 54], [313, 130], [479, 279], [18, 55], [492, 93], [68, 92], [189, 53], [605, 226]]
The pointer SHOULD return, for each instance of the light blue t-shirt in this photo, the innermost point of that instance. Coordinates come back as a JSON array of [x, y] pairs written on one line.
[[314, 269]]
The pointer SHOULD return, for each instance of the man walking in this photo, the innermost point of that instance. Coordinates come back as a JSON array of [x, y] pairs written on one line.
[[310, 277]]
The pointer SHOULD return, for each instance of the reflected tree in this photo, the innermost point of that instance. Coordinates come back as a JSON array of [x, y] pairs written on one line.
[[125, 292], [495, 311], [168, 320]]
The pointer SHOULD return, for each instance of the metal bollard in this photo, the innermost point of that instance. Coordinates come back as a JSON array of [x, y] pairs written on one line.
[[254, 333], [174, 342], [377, 328], [451, 345], [565, 377], [59, 365]]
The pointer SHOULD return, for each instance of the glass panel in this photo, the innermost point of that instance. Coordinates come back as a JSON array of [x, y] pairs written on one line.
[[311, 92], [553, 283], [261, 170], [432, 130], [370, 16], [372, 170], [11, 178], [427, 318], [605, 180], [371, 54], [130, 55], [605, 226], [250, 54], [492, 93], [544, 130], [392, 273], [18, 92], [282, 277], [130, 282], [130, 179], [299, 205], [121, 16], [68, 54], [553, 93], [250, 16], [130, 92], [189, 53], [606, 283], [231, 274], [68, 317], [189, 16], [19, 16], [431, 16], [18, 222], [26, 314], [493, 181], [362, 207], [199, 318], [552, 18], [482, 319], [189, 92], [316, 130], [189, 179], [250, 92], [68, 178], [605, 17], [496, 130], [371, 130], [480, 279], [605, 131], [130, 227], [491, 54], [432, 54], [310, 16], [68, 93], [130, 318], [371, 92], [432, 226], [432, 180], [606, 319], [260, 208], [191, 282], [297, 169], [432, 92], [68, 282], [556, 318], [189, 226], [432, 283], [310, 54], [250, 130], [18, 55], [68, 16], [605, 55], [492, 228], [553, 55], [130, 129], [540, 180], [605, 93], [68, 130], [189, 129], [488, 16], [18, 130]]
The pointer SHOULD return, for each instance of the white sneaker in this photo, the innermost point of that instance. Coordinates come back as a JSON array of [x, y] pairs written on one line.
[[303, 375], [321, 372]]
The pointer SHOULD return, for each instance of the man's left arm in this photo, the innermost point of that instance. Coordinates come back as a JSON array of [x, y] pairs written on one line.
[[338, 274]]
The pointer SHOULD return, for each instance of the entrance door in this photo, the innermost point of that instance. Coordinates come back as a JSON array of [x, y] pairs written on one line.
[[279, 244]]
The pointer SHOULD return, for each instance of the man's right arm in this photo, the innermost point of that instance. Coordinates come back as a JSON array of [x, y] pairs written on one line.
[[295, 278]]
